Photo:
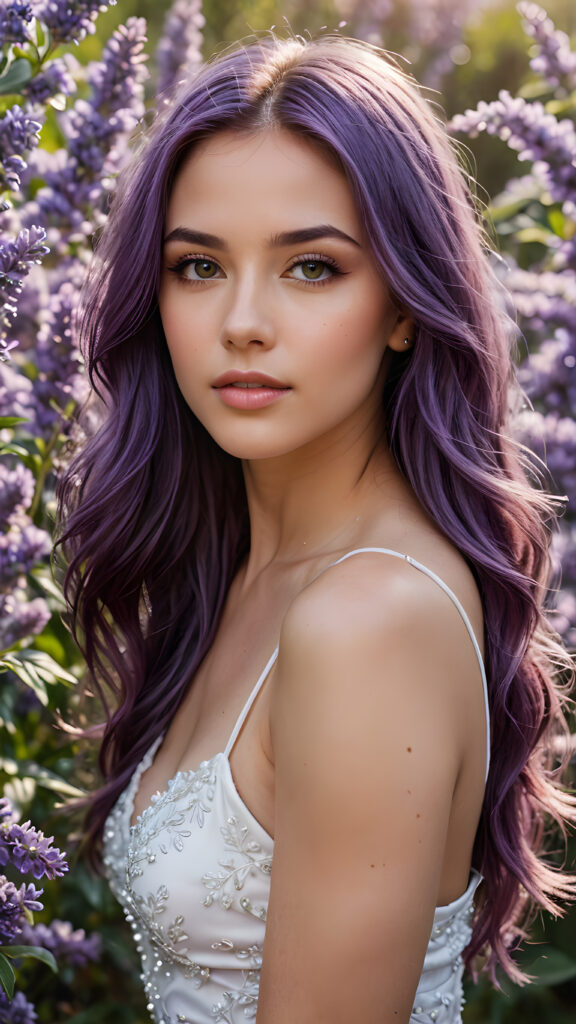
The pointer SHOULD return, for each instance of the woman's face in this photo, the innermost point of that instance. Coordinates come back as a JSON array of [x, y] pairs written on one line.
[[268, 281]]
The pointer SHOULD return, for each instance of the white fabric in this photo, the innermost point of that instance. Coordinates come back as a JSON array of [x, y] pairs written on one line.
[[193, 877]]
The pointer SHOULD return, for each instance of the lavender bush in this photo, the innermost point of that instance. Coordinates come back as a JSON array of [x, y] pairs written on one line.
[[27, 852], [535, 216], [51, 201], [65, 131]]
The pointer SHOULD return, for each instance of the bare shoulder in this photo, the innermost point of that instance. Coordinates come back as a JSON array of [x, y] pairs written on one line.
[[375, 606], [375, 633]]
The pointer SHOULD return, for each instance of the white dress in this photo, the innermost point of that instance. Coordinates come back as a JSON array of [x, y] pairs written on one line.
[[193, 877]]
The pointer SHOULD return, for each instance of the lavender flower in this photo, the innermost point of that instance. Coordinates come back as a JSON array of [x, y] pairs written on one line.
[[179, 51], [18, 133], [554, 60], [31, 852], [549, 374], [14, 18], [567, 254], [22, 547], [10, 911], [70, 19], [16, 492], [68, 945], [14, 904], [19, 1011], [21, 617], [553, 438], [55, 80], [543, 298], [60, 379], [535, 134], [78, 180], [16, 396], [117, 79], [17, 256], [437, 23]]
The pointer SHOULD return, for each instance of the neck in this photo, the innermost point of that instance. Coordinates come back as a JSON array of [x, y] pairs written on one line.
[[311, 503]]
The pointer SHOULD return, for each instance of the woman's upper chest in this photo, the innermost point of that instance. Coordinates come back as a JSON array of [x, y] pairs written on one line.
[[204, 722]]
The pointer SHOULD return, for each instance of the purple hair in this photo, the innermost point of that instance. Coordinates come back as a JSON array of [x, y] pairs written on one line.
[[146, 582]]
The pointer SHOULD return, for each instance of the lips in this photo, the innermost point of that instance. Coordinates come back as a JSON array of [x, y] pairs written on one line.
[[249, 391], [248, 379]]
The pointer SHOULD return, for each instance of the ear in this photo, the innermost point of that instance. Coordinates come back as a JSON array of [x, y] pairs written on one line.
[[402, 334]]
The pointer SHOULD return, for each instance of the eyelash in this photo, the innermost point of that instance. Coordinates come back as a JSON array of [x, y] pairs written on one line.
[[179, 267]]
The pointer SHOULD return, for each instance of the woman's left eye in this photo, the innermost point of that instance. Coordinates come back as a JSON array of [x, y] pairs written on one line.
[[313, 269]]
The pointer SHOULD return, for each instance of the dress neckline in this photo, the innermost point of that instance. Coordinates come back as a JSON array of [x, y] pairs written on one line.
[[441, 913]]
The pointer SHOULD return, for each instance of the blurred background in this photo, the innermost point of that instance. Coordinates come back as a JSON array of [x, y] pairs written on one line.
[[77, 81]]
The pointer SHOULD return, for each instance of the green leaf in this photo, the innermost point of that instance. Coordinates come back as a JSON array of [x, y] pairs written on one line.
[[557, 222], [535, 234], [13, 449], [553, 967], [16, 77], [47, 583], [27, 674], [47, 779], [41, 664], [11, 421], [7, 976], [33, 952]]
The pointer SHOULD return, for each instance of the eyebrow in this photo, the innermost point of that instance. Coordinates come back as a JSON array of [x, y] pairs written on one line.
[[285, 238]]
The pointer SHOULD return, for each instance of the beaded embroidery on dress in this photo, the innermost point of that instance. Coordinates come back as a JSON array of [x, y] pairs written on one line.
[[193, 878]]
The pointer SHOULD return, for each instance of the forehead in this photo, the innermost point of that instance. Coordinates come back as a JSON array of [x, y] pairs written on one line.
[[269, 178]]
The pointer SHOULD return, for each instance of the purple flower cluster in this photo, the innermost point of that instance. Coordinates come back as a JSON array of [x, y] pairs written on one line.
[[71, 947], [27, 851], [61, 382], [31, 852], [56, 80], [18, 134], [16, 393], [17, 257], [427, 31], [554, 60], [537, 135], [97, 130], [14, 903], [553, 438], [549, 373], [14, 19], [545, 293], [544, 298], [22, 547], [70, 19], [19, 1011], [180, 48], [16, 492]]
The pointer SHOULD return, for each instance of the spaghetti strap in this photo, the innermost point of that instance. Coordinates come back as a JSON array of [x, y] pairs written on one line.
[[246, 709], [450, 593]]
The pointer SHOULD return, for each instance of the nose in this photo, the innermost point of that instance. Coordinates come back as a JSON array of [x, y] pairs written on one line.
[[248, 316]]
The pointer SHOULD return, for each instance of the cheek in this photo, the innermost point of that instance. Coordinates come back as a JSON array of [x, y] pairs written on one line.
[[359, 335]]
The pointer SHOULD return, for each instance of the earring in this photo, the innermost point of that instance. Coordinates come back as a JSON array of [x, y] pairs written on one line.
[[406, 341]]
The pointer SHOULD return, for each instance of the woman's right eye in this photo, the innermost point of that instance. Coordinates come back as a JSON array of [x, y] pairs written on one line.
[[195, 268]]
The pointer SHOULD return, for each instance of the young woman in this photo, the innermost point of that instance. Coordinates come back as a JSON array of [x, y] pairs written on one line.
[[305, 558]]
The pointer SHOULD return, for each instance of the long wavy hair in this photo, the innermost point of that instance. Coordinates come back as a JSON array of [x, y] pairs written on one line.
[[154, 518]]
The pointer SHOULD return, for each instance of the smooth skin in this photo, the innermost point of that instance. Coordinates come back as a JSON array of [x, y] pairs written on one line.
[[364, 754]]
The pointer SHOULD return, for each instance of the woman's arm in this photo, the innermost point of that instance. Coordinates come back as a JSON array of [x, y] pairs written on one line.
[[369, 727]]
